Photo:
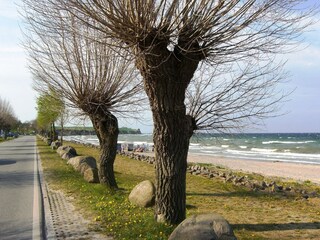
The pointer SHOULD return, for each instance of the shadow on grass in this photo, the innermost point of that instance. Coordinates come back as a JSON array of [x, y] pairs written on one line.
[[277, 226], [49, 152], [189, 206]]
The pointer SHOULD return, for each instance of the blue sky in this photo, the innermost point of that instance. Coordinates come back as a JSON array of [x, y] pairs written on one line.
[[303, 109]]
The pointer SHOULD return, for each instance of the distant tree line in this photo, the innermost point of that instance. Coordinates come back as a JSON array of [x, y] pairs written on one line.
[[8, 120], [69, 131]]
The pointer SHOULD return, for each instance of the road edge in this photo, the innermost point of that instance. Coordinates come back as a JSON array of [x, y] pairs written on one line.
[[48, 232]]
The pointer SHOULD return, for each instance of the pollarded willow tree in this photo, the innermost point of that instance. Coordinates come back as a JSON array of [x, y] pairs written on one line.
[[172, 39], [86, 72]]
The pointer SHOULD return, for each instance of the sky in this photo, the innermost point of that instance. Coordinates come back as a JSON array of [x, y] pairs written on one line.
[[302, 108]]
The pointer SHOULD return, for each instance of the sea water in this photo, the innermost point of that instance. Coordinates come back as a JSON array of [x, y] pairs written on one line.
[[285, 147]]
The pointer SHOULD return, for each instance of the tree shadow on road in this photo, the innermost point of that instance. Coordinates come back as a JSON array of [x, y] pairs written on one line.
[[13, 230], [16, 179]]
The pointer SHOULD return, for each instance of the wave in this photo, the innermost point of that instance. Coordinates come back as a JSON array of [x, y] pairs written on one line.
[[92, 139], [239, 149], [194, 144], [263, 150], [287, 142], [261, 158], [273, 154]]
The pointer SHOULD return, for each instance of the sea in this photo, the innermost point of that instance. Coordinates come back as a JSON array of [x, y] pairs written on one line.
[[276, 147]]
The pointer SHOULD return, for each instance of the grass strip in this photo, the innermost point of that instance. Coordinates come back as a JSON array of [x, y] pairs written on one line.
[[253, 215]]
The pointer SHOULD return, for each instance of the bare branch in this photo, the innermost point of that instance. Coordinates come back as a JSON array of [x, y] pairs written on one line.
[[218, 101], [86, 72]]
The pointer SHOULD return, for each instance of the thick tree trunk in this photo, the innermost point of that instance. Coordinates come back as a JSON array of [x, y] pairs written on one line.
[[107, 130], [165, 84], [171, 137]]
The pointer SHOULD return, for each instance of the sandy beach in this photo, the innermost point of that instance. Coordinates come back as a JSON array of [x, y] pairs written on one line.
[[296, 171]]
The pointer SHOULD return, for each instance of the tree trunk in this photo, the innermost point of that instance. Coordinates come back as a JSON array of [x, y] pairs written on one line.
[[53, 132], [107, 130], [62, 129], [165, 84], [61, 135], [171, 137]]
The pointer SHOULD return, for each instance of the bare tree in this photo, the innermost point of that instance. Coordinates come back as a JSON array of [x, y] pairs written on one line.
[[86, 72], [169, 39], [8, 120]]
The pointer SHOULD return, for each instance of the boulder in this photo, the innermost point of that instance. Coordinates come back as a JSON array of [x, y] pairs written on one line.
[[47, 141], [275, 188], [82, 163], [91, 175], [87, 166], [71, 152], [143, 194], [55, 145], [67, 155], [203, 227]]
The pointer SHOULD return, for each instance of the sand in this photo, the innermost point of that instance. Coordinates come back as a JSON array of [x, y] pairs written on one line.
[[296, 171]]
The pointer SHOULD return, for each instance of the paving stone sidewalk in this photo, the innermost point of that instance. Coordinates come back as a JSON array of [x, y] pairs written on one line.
[[62, 220]]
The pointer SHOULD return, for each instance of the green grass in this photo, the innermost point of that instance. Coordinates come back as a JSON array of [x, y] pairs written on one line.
[[253, 215], [4, 140]]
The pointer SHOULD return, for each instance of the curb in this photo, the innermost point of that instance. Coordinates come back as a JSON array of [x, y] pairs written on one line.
[[46, 219]]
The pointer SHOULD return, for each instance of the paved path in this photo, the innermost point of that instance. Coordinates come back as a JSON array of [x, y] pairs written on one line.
[[62, 219], [19, 190]]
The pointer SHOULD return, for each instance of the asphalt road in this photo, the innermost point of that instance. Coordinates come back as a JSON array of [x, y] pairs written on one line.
[[19, 190]]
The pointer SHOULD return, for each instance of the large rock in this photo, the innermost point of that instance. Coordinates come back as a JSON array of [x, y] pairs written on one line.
[[67, 155], [203, 227], [47, 141], [143, 194], [87, 166], [81, 163], [55, 145], [66, 152], [91, 175]]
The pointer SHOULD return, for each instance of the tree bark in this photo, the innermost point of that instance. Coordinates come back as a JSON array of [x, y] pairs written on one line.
[[61, 133], [53, 134], [107, 130], [171, 137], [165, 84]]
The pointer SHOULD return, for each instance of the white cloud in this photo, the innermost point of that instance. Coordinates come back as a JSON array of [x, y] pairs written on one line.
[[11, 49], [306, 58], [9, 9]]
